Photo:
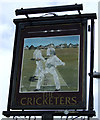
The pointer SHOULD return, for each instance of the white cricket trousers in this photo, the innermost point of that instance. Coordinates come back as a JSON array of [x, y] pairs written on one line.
[[53, 72], [39, 67]]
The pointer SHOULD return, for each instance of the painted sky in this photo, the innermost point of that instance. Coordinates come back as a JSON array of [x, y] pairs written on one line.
[[7, 32], [74, 39]]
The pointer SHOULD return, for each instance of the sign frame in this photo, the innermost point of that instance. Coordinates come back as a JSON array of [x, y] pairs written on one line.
[[21, 25]]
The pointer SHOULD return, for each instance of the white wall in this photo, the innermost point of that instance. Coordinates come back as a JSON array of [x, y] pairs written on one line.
[[99, 58]]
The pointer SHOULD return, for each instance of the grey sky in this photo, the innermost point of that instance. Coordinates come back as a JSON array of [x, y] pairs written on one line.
[[7, 32]]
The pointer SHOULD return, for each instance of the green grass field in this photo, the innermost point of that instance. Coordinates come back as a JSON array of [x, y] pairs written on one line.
[[68, 74]]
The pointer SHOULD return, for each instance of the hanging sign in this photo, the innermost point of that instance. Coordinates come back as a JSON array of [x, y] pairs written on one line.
[[49, 65]]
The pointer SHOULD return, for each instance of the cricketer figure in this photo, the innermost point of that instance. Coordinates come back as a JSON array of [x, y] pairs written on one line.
[[50, 67]]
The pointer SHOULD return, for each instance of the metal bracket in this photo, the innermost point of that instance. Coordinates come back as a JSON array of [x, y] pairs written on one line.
[[55, 15], [89, 28], [49, 9], [94, 75]]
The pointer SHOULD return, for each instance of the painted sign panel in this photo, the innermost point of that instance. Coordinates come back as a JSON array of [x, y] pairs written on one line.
[[50, 69], [48, 64]]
